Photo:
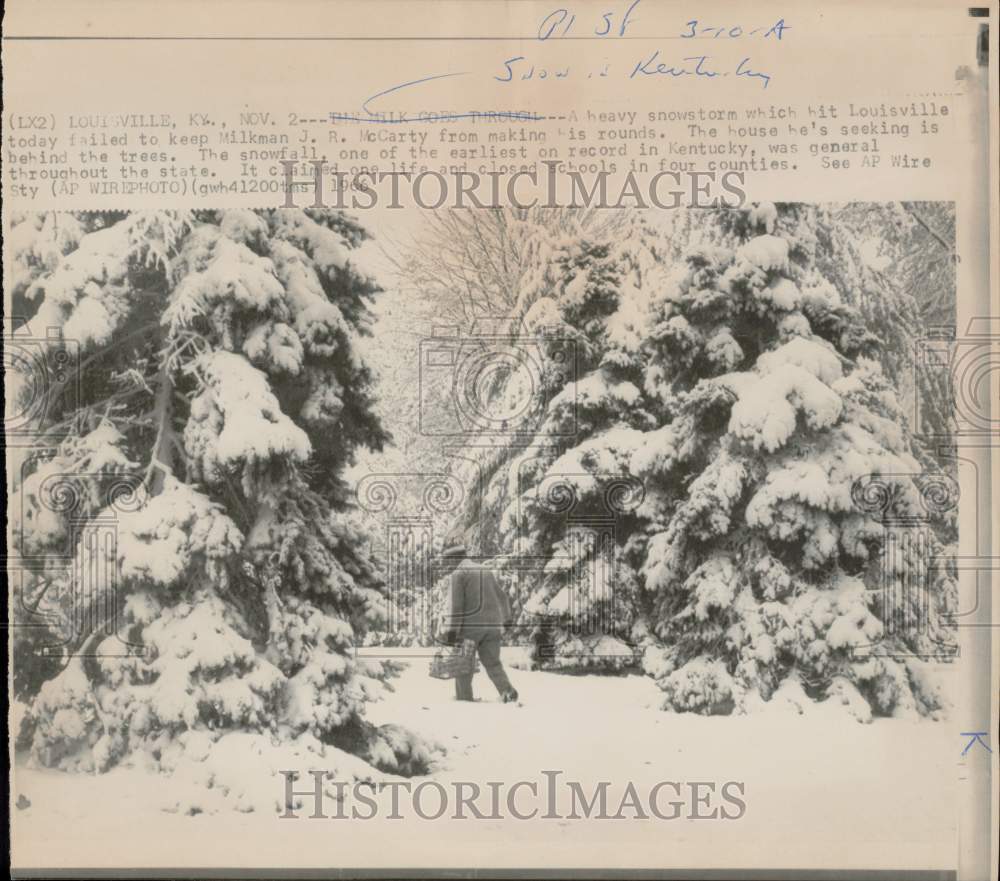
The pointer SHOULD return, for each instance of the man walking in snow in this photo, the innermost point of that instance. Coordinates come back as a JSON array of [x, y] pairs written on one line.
[[478, 611]]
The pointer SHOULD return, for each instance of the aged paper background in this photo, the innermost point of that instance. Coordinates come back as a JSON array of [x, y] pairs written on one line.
[[206, 63]]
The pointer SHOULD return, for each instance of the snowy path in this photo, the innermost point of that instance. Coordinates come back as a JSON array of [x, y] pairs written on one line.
[[812, 783]]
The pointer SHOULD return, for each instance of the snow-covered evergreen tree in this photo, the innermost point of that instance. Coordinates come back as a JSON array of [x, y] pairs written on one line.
[[222, 397], [761, 568]]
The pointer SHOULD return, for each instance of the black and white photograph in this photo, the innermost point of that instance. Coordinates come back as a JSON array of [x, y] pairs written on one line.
[[481, 499], [501, 440]]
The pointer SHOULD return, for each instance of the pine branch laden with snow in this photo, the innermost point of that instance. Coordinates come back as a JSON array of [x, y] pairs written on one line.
[[222, 378], [739, 385]]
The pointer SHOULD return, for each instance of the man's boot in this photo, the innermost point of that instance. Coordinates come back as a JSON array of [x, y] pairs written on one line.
[[463, 688]]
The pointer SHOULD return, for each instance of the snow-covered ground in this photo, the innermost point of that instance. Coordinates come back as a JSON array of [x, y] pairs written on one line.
[[820, 790]]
